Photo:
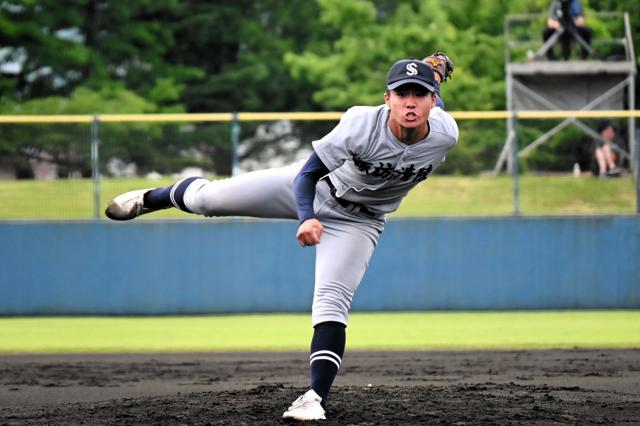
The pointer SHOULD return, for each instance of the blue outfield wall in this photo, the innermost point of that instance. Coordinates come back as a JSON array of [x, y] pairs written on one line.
[[215, 266]]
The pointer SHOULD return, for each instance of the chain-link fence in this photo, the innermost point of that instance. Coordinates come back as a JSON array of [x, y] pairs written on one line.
[[61, 168]]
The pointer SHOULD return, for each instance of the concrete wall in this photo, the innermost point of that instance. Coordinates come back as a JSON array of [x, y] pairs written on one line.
[[153, 267]]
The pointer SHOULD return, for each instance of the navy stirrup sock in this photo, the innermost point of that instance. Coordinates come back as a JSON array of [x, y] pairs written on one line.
[[171, 196], [158, 198], [327, 348]]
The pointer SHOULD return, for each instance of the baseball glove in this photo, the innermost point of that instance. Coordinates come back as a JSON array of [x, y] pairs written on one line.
[[441, 64]]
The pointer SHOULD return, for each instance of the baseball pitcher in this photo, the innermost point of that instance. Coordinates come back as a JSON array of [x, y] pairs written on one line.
[[341, 195]]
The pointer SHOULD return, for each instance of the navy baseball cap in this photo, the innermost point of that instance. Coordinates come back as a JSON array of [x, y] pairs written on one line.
[[412, 70]]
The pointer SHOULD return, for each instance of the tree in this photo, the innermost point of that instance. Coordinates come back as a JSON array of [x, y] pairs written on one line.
[[51, 47], [68, 145], [77, 57], [239, 46]]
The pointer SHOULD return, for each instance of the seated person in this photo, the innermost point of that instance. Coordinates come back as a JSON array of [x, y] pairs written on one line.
[[604, 154], [573, 23]]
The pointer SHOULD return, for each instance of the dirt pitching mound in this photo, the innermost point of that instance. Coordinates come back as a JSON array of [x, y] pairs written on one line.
[[373, 388]]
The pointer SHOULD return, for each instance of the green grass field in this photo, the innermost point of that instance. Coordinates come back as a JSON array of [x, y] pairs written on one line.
[[539, 195], [438, 196], [273, 332]]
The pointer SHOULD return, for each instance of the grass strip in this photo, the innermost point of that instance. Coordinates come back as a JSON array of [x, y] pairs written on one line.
[[366, 331], [438, 196]]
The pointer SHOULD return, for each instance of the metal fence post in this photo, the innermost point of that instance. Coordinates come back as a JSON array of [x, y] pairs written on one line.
[[634, 143], [514, 161], [235, 141], [95, 166], [637, 170]]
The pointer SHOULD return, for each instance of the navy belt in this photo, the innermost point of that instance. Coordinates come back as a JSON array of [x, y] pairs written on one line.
[[351, 205]]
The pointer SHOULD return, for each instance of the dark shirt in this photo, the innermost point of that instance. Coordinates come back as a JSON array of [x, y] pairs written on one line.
[[575, 9], [304, 186]]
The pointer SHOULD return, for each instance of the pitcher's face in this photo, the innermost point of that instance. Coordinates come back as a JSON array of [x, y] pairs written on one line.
[[410, 105]]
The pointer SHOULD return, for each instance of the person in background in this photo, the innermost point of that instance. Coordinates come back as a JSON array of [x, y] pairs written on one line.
[[569, 15], [604, 153]]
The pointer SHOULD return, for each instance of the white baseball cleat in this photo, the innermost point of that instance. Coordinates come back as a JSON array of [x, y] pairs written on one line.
[[306, 407], [128, 205]]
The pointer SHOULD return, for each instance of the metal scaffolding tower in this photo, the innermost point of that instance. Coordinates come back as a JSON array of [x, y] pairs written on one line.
[[598, 83]]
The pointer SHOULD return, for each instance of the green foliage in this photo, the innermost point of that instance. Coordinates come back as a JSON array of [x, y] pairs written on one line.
[[108, 99], [100, 56], [354, 71], [68, 145], [347, 15], [239, 46], [59, 46], [149, 146], [479, 141], [632, 7]]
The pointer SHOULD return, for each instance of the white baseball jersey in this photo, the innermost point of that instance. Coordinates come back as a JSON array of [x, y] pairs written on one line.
[[369, 165]]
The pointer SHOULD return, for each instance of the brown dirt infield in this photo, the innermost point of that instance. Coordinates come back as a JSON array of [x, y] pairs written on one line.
[[373, 388]]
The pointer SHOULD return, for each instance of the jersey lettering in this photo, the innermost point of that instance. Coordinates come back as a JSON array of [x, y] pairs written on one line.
[[387, 171]]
